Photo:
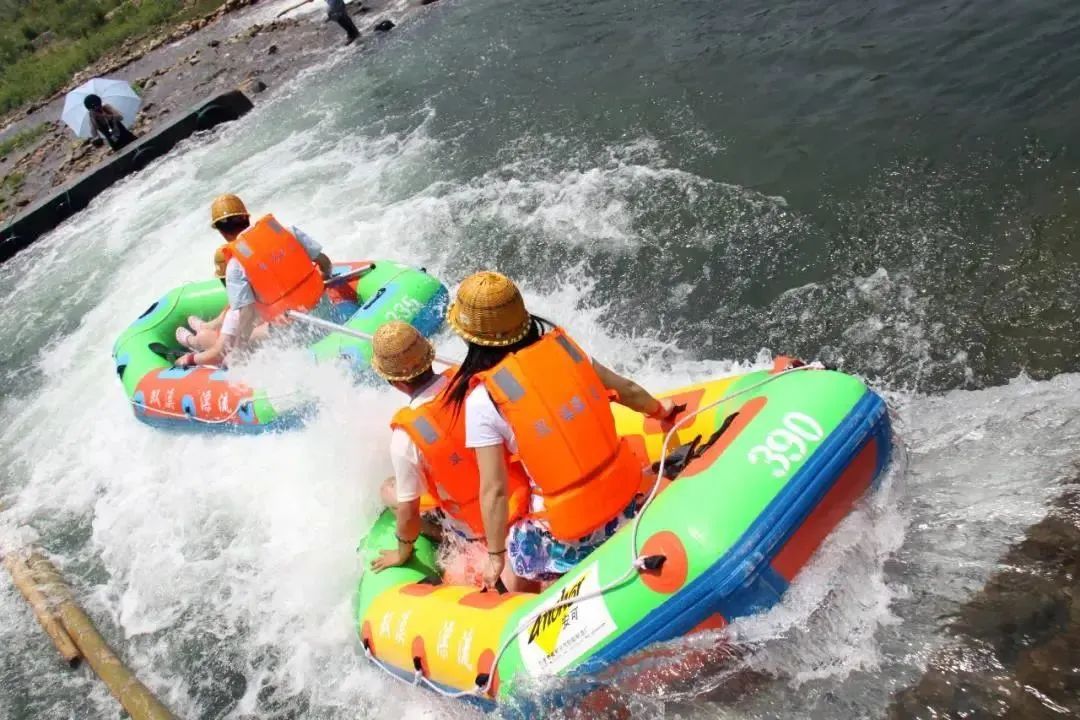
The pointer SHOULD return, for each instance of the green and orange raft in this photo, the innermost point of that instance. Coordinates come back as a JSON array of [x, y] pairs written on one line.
[[783, 455], [204, 398]]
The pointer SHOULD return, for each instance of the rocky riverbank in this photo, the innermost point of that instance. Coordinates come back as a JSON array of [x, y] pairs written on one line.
[[1016, 653], [239, 44]]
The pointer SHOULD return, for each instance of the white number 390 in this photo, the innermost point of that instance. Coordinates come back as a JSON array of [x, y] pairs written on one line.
[[788, 444]]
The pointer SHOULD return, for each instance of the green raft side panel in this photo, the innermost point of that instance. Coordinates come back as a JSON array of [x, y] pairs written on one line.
[[158, 323], [391, 291], [709, 511], [382, 536]]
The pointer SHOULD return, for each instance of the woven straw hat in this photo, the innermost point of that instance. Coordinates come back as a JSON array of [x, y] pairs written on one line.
[[400, 353], [489, 310]]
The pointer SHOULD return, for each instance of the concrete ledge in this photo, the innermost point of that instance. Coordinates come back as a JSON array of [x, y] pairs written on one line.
[[45, 215]]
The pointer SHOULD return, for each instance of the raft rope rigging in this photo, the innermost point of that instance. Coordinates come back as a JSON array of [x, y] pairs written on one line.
[[208, 421], [638, 563]]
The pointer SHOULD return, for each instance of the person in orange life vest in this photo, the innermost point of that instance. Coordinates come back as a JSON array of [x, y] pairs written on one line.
[[239, 325], [585, 479], [427, 448]]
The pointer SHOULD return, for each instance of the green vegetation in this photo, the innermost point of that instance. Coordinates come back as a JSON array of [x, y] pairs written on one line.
[[44, 42], [22, 139], [12, 184]]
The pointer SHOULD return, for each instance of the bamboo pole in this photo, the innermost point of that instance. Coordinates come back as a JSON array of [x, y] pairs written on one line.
[[39, 604], [135, 697]]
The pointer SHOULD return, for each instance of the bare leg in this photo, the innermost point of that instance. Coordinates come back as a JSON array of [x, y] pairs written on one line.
[[514, 583], [204, 339]]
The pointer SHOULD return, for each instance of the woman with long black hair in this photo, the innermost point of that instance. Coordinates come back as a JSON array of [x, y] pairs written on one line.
[[527, 388]]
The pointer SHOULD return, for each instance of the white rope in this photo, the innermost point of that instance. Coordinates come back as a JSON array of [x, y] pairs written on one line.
[[636, 561], [207, 421]]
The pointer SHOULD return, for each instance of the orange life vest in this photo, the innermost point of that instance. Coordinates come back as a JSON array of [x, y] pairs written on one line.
[[450, 469], [559, 410], [281, 274]]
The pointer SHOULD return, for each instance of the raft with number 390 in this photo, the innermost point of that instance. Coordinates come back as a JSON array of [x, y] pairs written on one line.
[[783, 456]]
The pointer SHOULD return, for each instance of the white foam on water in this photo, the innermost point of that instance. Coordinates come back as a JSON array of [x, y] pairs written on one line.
[[224, 566]]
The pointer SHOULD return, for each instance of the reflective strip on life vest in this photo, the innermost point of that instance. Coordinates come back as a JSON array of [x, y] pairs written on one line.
[[558, 407], [450, 469]]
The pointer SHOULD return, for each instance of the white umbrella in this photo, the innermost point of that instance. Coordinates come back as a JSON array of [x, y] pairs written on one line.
[[112, 92]]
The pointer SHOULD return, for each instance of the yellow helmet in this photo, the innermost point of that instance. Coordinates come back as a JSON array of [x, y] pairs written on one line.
[[399, 352], [226, 206], [489, 310]]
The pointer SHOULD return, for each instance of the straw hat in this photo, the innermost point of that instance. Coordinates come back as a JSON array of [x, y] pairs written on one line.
[[489, 310], [399, 352]]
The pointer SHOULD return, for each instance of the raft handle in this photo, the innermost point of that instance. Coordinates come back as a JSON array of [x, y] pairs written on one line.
[[652, 563], [678, 459], [482, 681], [500, 587]]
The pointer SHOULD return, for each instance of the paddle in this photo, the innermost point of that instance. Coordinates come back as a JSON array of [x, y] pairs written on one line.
[[335, 327], [351, 275], [291, 8]]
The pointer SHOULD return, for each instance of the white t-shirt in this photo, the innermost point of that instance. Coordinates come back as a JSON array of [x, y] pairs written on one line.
[[405, 456], [484, 426]]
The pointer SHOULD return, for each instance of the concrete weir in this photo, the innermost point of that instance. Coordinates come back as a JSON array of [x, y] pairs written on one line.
[[72, 197]]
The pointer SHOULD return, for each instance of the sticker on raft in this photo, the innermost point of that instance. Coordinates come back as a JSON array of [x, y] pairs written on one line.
[[553, 640]]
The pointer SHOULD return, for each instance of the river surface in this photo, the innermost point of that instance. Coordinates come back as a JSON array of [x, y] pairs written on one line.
[[690, 186]]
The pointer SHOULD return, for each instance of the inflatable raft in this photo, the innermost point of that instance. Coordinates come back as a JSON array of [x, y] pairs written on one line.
[[204, 398], [780, 458]]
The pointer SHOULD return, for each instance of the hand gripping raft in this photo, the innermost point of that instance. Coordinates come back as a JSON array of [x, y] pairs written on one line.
[[765, 464], [366, 295]]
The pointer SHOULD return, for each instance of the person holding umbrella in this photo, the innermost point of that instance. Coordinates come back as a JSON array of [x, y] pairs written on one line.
[[106, 122], [102, 109]]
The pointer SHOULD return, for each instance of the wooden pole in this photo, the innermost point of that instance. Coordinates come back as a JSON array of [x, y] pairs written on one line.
[[135, 697], [289, 9], [39, 604]]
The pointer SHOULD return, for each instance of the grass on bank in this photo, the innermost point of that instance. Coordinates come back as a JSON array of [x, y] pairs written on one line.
[[22, 139], [43, 43], [10, 185]]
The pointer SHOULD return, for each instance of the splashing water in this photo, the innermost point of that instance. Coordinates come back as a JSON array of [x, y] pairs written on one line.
[[223, 567]]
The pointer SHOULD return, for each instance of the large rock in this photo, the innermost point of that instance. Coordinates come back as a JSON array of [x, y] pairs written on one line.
[[1017, 648]]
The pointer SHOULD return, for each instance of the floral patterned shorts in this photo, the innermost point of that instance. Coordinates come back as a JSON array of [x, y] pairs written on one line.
[[534, 554]]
